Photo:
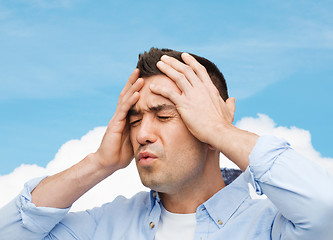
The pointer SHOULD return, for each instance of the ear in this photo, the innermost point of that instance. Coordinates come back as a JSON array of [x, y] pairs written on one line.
[[230, 102], [210, 147]]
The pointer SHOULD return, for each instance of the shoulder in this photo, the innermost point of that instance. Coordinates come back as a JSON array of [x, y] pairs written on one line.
[[85, 223], [259, 210]]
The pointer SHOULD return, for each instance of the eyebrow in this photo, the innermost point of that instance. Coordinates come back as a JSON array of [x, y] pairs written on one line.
[[157, 108]]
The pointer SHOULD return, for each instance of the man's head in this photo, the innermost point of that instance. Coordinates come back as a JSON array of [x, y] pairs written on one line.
[[168, 157], [167, 154], [147, 66]]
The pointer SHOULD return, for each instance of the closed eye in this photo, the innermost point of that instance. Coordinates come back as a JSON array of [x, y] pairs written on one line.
[[163, 117], [134, 123]]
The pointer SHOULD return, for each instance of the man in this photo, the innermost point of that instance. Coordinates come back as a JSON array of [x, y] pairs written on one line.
[[175, 122]]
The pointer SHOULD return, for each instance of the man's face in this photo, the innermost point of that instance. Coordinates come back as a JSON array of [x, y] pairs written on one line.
[[167, 155]]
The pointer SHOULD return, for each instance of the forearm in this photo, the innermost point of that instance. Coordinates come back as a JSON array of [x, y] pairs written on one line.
[[21, 218], [63, 189]]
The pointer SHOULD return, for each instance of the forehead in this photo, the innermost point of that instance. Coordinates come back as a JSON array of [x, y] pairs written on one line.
[[148, 99]]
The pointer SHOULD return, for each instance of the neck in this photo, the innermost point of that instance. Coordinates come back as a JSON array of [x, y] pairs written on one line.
[[188, 198]]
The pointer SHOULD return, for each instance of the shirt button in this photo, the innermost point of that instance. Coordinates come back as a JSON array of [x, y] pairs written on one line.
[[151, 225], [154, 194], [219, 222]]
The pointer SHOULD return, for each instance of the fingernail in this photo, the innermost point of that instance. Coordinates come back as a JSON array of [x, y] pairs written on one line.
[[165, 57], [160, 63]]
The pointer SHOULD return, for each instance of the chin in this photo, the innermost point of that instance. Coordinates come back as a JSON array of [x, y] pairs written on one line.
[[152, 182]]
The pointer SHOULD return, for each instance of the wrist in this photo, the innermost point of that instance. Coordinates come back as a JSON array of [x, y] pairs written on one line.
[[224, 135], [90, 171], [236, 144], [98, 164]]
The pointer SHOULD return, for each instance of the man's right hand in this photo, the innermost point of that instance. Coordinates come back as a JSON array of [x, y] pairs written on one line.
[[115, 151]]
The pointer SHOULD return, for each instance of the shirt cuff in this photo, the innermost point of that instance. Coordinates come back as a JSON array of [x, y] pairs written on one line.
[[263, 157], [37, 219]]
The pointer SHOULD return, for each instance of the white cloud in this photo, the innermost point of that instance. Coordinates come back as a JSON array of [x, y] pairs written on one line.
[[299, 139], [126, 181]]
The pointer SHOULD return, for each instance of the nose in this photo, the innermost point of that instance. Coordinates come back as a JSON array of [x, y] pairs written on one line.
[[146, 132]]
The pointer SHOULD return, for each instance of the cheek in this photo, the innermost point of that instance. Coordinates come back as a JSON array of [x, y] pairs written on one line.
[[181, 133], [179, 138]]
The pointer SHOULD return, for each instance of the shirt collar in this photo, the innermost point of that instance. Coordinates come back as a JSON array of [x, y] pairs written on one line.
[[154, 198]]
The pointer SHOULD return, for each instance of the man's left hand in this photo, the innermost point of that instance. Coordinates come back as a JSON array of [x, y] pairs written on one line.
[[200, 105]]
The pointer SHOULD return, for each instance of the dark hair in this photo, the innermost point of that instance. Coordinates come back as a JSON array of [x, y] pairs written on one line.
[[147, 66]]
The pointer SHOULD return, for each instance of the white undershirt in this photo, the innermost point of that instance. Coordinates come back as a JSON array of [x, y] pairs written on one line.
[[175, 226]]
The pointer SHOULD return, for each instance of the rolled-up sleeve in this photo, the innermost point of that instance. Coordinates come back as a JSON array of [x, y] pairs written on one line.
[[21, 218], [300, 189]]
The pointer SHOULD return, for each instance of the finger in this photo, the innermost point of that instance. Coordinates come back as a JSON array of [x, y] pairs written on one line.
[[171, 95], [126, 105], [129, 99], [131, 80], [135, 87], [200, 71], [179, 78], [182, 68]]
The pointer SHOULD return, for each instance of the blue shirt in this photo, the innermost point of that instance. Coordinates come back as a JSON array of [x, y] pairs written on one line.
[[299, 206]]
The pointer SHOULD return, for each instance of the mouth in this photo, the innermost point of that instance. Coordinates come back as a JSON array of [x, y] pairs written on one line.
[[146, 158]]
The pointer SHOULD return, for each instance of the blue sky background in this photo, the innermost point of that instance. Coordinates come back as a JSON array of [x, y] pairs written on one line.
[[63, 63]]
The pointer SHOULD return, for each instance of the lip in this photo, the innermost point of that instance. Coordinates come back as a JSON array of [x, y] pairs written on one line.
[[146, 158]]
